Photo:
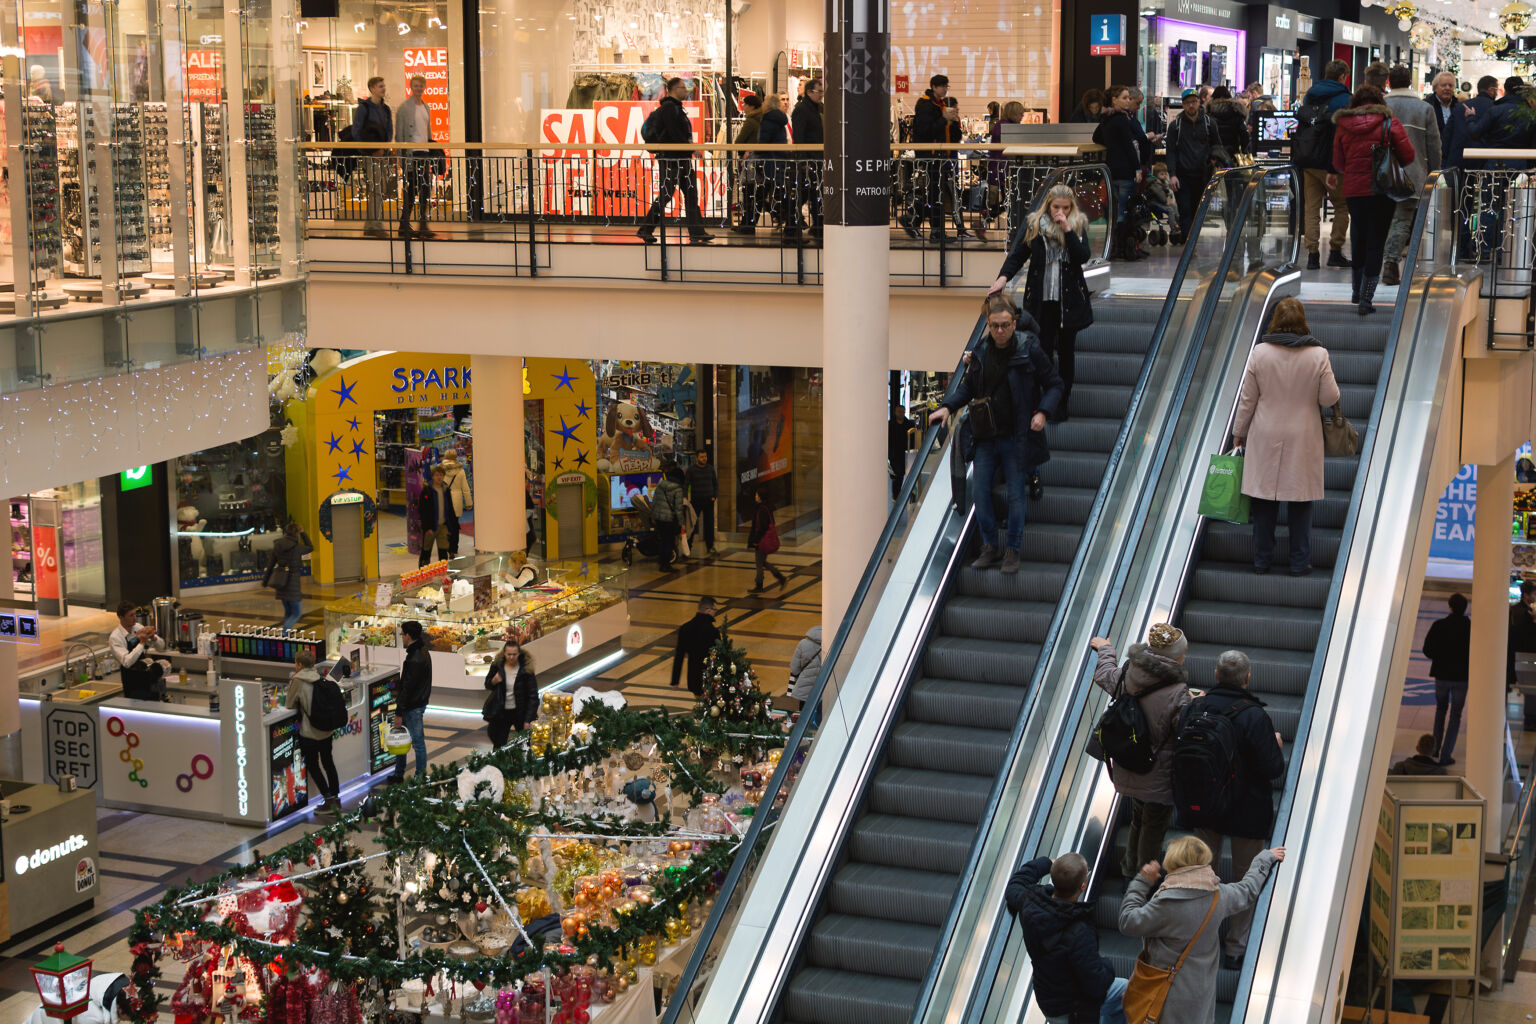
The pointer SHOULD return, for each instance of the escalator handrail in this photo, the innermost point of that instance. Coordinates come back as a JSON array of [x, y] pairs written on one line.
[[1346, 536], [1101, 497]]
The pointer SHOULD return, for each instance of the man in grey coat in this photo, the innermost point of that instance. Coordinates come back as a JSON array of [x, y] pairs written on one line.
[[413, 124], [1418, 120]]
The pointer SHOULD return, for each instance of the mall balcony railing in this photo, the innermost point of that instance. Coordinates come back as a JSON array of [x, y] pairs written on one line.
[[498, 209], [1496, 217]]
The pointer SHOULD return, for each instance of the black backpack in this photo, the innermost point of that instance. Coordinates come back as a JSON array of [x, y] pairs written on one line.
[[651, 129], [1206, 759], [327, 707], [1123, 735], [344, 161], [1312, 141]]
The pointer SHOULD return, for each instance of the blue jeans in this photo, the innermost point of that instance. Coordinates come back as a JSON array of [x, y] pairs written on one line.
[[1111, 1012], [1123, 190], [291, 612], [1006, 453], [1452, 694], [412, 720]]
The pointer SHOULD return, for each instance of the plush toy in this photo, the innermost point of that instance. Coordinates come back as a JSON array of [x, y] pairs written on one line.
[[625, 429], [187, 521], [324, 360]]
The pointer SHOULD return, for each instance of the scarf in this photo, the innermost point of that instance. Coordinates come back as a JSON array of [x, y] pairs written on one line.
[[1050, 287], [1290, 340]]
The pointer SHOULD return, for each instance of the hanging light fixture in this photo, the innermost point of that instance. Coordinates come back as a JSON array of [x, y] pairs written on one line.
[[1403, 11], [1514, 17]]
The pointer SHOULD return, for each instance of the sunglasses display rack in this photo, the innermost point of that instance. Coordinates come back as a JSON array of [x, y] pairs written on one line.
[[210, 153], [82, 189], [157, 165], [40, 164], [261, 177]]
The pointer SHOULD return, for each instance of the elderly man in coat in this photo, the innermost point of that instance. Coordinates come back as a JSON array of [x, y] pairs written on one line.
[[1418, 119]]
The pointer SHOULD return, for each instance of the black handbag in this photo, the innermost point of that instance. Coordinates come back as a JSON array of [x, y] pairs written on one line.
[[1387, 171], [276, 577]]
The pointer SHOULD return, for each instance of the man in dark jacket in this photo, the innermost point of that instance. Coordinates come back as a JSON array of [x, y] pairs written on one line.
[[805, 124], [434, 511], [412, 695], [1522, 629], [752, 178], [1333, 93], [695, 639], [372, 121], [1191, 138], [676, 167], [1424, 760], [1452, 116], [703, 489], [1446, 645], [1072, 981], [1259, 762], [936, 118]]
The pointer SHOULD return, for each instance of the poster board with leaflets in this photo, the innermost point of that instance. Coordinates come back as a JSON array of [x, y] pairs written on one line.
[[1436, 864]]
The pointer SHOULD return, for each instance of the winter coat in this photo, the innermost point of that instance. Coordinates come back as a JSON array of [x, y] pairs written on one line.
[[426, 510], [805, 664], [1419, 122], [301, 690], [525, 695], [675, 126], [1334, 93], [1446, 645], [1189, 144], [1076, 303], [289, 554], [762, 522], [930, 125], [751, 128], [1356, 130], [695, 639], [1522, 636], [415, 689], [1161, 686], [372, 122], [1509, 123], [1033, 386], [702, 482], [1231, 119], [667, 502], [1455, 131], [774, 130], [1167, 920], [1418, 764], [806, 123], [456, 483], [1120, 136], [1279, 414], [1063, 944], [1259, 764]]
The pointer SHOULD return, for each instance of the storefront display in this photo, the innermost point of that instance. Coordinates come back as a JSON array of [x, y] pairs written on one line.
[[1280, 38], [650, 414], [231, 505], [1191, 44]]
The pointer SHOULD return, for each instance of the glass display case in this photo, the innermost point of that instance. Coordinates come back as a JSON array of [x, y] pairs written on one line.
[[469, 607]]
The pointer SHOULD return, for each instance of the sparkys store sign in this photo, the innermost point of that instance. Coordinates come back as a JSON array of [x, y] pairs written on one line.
[[613, 182]]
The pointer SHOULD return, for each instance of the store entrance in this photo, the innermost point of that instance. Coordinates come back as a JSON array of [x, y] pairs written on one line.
[[347, 536]]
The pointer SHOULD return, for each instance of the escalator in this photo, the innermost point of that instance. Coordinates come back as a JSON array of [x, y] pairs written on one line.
[[869, 949]]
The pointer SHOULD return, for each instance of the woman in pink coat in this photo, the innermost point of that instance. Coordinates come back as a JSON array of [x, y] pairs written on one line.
[[1279, 423]]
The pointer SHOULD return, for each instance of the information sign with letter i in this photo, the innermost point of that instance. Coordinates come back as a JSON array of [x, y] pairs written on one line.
[[1106, 37]]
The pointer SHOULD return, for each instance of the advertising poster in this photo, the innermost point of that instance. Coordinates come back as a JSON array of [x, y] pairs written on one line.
[[45, 562], [1440, 891], [205, 76], [648, 413], [431, 63], [612, 182], [1456, 519], [764, 438], [287, 767], [381, 712]]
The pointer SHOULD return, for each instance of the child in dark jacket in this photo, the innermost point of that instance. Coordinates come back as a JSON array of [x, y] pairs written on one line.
[[1073, 983]]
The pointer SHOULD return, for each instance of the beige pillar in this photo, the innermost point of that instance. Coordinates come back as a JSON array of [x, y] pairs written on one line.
[[501, 521], [1485, 710]]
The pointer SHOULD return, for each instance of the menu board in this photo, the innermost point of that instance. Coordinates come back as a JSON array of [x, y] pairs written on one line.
[[381, 712], [1440, 890], [289, 792]]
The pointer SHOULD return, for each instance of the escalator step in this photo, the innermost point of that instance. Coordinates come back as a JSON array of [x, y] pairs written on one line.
[[1074, 469], [947, 748], [919, 843], [868, 945], [1216, 581], [1082, 433], [1035, 581], [1100, 401], [1118, 368], [1050, 542], [1274, 670], [893, 894], [993, 619], [1062, 504], [1226, 542], [952, 702], [981, 661], [819, 996], [1356, 367], [941, 796], [1243, 625]]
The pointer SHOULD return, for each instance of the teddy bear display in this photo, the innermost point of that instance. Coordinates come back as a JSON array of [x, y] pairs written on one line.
[[626, 428]]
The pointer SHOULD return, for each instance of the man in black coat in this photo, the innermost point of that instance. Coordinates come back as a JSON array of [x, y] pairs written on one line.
[[1252, 816], [412, 694], [1446, 645], [695, 639], [1424, 760], [1191, 139], [439, 522], [676, 167], [936, 118], [1522, 629], [1451, 117], [805, 123], [703, 489], [1072, 981]]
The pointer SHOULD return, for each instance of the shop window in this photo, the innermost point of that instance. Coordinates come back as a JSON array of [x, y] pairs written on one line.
[[230, 510]]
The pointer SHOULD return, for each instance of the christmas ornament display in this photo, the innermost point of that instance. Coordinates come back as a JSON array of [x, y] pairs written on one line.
[[1515, 17]]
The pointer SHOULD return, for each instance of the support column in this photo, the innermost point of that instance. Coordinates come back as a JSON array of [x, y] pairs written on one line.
[[856, 306], [500, 481], [1485, 710]]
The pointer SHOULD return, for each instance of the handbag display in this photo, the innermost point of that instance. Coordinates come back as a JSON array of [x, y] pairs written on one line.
[[1387, 172], [1148, 988], [1339, 435]]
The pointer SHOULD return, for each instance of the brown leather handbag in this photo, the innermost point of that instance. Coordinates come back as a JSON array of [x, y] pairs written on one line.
[[1148, 988], [1339, 435]]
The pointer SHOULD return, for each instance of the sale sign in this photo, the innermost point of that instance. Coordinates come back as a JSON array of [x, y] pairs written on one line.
[[45, 562], [612, 182], [431, 63], [205, 76]]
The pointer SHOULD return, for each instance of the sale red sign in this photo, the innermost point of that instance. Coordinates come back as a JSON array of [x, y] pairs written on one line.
[[205, 76], [431, 63], [614, 182], [45, 562]]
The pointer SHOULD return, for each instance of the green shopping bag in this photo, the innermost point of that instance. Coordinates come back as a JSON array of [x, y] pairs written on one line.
[[1222, 497]]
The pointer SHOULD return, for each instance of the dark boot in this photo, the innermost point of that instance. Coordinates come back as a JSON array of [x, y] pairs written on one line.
[[1314, 262], [1390, 274], [1367, 293], [988, 558], [1336, 259]]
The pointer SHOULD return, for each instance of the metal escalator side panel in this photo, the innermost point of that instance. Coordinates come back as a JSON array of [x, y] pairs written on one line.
[[782, 900], [1303, 955]]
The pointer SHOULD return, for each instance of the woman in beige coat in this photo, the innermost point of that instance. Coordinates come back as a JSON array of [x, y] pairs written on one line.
[[1280, 425]]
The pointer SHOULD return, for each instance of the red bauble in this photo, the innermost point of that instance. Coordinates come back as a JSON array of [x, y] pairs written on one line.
[[480, 906]]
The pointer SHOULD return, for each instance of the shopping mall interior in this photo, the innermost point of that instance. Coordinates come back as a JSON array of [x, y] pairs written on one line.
[[552, 512]]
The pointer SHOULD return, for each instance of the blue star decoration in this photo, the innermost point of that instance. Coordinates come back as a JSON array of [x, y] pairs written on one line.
[[343, 392], [581, 457], [583, 409], [352, 424], [357, 450], [565, 380], [333, 443], [567, 433], [559, 462], [343, 475]]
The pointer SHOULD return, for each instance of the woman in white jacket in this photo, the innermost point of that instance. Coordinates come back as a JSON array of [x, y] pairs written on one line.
[[456, 483]]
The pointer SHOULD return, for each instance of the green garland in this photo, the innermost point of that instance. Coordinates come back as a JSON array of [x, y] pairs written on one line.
[[415, 819]]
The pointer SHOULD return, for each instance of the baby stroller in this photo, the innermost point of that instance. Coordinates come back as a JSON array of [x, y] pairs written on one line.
[[645, 540], [1134, 227]]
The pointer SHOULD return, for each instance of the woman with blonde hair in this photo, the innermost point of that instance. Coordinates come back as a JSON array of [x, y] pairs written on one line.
[[1181, 917], [1054, 242]]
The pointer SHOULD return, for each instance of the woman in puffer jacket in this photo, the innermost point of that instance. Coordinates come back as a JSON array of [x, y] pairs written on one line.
[[1367, 122]]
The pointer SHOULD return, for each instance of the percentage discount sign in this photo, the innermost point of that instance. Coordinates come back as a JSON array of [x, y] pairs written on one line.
[[45, 559]]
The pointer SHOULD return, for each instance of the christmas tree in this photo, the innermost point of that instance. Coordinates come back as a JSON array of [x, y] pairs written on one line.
[[730, 686], [341, 909]]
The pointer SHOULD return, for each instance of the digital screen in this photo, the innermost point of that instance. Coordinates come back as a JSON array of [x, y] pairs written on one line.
[[622, 490], [287, 767], [381, 712], [1278, 126]]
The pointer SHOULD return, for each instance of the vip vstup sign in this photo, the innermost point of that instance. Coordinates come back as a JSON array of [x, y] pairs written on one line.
[[1106, 35]]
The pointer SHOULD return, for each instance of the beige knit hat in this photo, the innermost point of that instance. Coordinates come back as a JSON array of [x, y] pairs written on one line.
[[1168, 640]]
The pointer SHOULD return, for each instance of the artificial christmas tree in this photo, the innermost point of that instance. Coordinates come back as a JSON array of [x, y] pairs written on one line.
[[730, 686], [342, 910]]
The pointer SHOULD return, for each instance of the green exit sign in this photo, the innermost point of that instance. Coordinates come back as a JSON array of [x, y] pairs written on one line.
[[133, 479]]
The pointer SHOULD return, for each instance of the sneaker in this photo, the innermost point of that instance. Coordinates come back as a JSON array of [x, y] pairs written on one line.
[[1336, 259], [1011, 560], [1314, 261], [1390, 274], [757, 588], [700, 237], [1305, 570], [405, 231], [988, 557]]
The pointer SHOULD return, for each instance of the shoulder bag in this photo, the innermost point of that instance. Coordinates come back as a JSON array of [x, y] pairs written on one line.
[[985, 414], [1339, 435], [1148, 988], [769, 542], [1387, 172], [276, 577]]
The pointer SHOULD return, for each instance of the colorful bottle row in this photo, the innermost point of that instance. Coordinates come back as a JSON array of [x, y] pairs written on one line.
[[267, 643]]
